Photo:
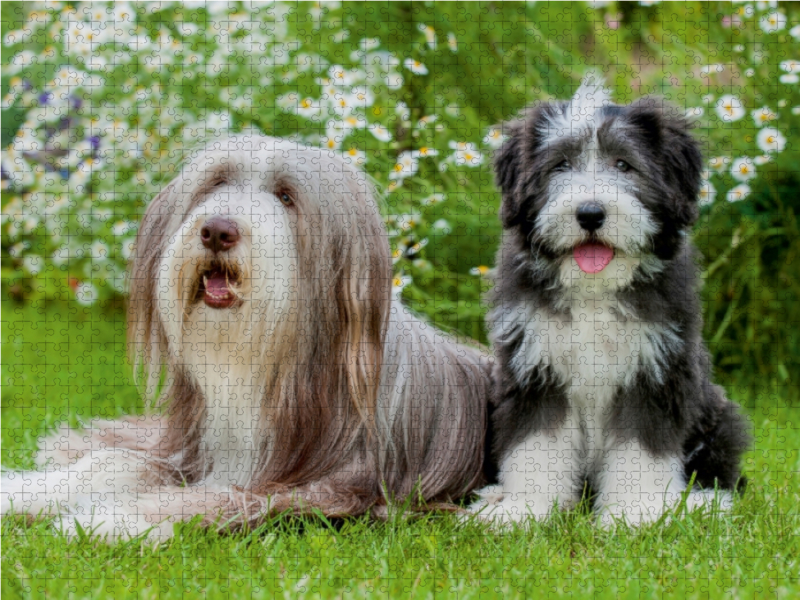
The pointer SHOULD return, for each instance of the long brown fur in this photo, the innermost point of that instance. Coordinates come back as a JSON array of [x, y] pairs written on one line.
[[362, 402]]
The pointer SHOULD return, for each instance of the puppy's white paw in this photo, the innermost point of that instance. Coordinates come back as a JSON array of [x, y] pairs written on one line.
[[643, 510], [502, 509]]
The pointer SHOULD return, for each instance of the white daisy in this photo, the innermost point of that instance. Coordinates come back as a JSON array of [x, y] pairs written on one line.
[[729, 108], [308, 108], [354, 156], [415, 66], [425, 152], [763, 115], [494, 138], [362, 97], [740, 192], [406, 166], [773, 22], [718, 163], [442, 226], [770, 139], [452, 42], [86, 294], [398, 283], [368, 44], [430, 35], [707, 193], [791, 66], [466, 153], [380, 133], [743, 169]]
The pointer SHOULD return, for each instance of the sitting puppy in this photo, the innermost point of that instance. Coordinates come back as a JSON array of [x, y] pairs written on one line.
[[602, 378]]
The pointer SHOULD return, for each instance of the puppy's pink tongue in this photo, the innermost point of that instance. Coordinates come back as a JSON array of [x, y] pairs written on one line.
[[592, 258]]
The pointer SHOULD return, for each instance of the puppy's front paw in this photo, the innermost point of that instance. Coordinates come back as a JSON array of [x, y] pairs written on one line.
[[645, 509], [502, 508]]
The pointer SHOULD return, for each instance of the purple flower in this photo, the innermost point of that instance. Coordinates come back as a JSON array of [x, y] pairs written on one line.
[[44, 98]]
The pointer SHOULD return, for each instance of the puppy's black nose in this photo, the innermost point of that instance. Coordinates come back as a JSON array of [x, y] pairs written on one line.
[[591, 216], [219, 234]]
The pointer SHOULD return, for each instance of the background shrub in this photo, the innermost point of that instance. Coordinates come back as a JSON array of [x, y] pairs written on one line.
[[101, 102]]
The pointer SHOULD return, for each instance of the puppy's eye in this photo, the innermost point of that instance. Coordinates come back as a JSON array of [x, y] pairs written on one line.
[[622, 166], [219, 183], [285, 196], [564, 165]]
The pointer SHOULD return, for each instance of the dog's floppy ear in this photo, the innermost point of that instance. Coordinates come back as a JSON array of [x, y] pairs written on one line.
[[507, 169], [666, 128]]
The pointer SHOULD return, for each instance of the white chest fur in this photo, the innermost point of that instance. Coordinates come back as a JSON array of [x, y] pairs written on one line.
[[220, 356], [594, 347]]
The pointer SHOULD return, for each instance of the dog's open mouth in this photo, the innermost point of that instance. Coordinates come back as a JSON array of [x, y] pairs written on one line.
[[219, 287], [592, 257]]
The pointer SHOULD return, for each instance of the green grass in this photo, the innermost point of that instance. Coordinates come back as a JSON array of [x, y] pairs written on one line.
[[61, 361]]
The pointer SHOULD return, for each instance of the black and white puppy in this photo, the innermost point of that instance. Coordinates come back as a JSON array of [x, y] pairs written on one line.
[[602, 377]]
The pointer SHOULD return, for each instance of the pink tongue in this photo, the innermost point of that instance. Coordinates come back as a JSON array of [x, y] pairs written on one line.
[[593, 258], [217, 285]]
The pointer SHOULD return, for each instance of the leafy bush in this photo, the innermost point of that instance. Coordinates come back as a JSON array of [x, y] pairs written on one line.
[[105, 99]]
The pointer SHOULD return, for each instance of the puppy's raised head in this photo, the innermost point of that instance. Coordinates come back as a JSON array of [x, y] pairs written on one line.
[[597, 190]]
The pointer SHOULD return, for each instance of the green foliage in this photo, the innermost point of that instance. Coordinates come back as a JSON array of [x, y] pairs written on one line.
[[95, 128], [752, 281]]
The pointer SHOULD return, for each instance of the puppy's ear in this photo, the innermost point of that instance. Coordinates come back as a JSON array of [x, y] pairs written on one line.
[[664, 127], [507, 169], [684, 163]]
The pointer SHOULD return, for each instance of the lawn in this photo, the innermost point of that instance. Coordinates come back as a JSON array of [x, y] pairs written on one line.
[[62, 361]]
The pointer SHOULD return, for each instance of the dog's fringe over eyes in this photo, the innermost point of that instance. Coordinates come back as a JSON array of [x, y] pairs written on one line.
[[284, 376]]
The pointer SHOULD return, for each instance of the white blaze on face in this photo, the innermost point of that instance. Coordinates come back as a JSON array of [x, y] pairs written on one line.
[[229, 351], [580, 115]]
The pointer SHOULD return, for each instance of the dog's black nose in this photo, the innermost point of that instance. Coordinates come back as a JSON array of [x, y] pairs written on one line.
[[219, 233], [591, 216]]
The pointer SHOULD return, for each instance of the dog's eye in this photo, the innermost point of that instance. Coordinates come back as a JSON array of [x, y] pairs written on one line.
[[285, 196], [564, 165], [622, 166]]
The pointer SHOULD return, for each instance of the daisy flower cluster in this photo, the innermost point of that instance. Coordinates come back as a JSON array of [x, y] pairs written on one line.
[[748, 111], [114, 94]]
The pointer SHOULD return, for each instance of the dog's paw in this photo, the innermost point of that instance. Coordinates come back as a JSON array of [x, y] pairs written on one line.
[[110, 524], [712, 500], [491, 494], [641, 511], [501, 509]]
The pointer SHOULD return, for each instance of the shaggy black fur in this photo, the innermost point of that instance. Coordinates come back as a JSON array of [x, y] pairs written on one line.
[[683, 415]]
